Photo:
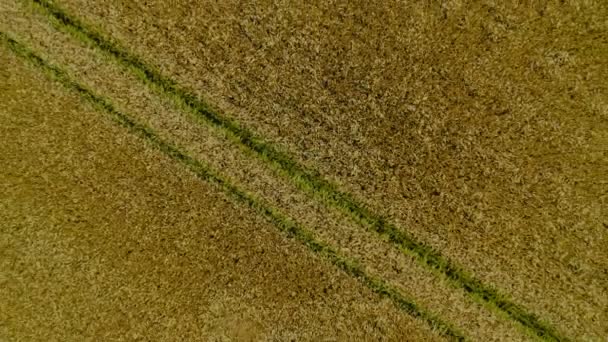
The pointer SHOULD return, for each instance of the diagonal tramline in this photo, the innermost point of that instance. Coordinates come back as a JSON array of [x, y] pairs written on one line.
[[203, 172], [304, 178]]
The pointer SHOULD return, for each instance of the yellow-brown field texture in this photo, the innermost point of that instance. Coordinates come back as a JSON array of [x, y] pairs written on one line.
[[105, 238], [318, 170]]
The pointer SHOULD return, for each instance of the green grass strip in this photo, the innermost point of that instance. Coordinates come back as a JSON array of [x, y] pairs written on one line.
[[305, 179], [203, 172]]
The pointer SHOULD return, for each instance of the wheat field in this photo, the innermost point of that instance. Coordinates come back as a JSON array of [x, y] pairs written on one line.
[[281, 170]]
